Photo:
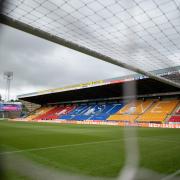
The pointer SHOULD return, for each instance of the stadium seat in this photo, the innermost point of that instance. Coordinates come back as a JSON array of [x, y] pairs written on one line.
[[81, 117], [92, 112], [65, 110], [175, 118], [84, 112], [178, 110], [98, 111], [66, 117], [131, 111], [78, 110], [123, 117], [100, 117], [115, 108], [159, 111], [38, 113], [136, 107], [46, 113], [54, 112]]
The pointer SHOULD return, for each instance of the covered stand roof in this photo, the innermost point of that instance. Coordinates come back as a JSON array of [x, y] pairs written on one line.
[[103, 90], [141, 36]]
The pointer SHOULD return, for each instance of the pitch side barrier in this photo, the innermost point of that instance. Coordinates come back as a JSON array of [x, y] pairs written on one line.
[[97, 122]]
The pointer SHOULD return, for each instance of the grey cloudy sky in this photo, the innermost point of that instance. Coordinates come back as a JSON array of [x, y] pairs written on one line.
[[38, 64], [143, 33]]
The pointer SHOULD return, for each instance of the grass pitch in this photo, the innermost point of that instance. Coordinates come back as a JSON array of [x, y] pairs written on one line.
[[87, 149]]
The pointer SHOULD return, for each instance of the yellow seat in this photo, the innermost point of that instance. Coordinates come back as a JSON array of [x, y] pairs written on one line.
[[131, 111], [136, 107], [159, 111], [38, 112], [123, 117]]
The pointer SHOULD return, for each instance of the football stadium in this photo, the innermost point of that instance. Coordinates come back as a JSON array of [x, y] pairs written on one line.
[[125, 127]]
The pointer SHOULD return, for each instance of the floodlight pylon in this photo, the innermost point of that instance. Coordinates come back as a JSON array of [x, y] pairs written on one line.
[[8, 76]]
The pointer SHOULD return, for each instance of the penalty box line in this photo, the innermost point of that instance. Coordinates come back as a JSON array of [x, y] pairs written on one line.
[[73, 145], [60, 146]]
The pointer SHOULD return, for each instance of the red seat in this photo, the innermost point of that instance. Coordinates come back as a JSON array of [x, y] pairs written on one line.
[[174, 119]]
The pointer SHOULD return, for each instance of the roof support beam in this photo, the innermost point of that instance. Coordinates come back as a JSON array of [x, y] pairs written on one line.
[[45, 35]]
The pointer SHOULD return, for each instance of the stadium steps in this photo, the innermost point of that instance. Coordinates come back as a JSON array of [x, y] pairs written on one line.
[[175, 118], [33, 112], [131, 111], [65, 111], [37, 113], [123, 117], [177, 109], [100, 116], [43, 113], [81, 117], [115, 108], [78, 110], [67, 117], [50, 115], [167, 118], [136, 107], [159, 111], [94, 112]]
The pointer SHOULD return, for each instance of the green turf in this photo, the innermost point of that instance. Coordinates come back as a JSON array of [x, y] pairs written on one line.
[[159, 148]]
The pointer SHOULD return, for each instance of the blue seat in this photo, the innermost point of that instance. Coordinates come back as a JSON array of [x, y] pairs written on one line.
[[81, 117], [92, 112], [67, 117], [100, 117], [116, 108], [79, 110]]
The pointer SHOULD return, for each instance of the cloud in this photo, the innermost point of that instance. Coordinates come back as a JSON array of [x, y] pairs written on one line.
[[144, 34], [38, 64]]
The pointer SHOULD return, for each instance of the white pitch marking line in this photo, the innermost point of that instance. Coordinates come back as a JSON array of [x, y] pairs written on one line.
[[171, 175], [54, 147], [72, 145]]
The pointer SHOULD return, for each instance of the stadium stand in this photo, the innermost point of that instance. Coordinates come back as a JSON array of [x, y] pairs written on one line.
[[75, 112], [135, 111], [159, 111], [106, 111], [40, 111], [66, 110], [136, 107], [45, 114], [131, 111], [55, 112], [93, 112], [78, 110], [123, 117], [175, 118], [178, 110]]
